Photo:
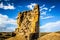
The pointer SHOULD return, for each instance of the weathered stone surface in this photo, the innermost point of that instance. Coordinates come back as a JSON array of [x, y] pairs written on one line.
[[28, 25], [28, 22]]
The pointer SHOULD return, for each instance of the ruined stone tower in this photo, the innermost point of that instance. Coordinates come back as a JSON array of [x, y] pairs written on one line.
[[28, 23]]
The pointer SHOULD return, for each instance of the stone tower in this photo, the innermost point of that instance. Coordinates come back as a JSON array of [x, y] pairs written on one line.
[[28, 23]]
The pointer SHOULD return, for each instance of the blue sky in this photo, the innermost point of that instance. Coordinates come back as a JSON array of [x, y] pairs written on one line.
[[49, 14]]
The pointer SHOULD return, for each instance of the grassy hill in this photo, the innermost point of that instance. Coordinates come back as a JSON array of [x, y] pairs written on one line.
[[43, 33], [50, 36]]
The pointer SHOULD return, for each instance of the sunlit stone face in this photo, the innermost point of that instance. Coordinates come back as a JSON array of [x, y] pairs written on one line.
[[27, 22]]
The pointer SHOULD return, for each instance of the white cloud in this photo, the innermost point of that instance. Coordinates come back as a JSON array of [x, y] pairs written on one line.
[[45, 10], [43, 13], [52, 6], [50, 27], [42, 6], [9, 6], [8, 23], [50, 10], [47, 17], [31, 5]]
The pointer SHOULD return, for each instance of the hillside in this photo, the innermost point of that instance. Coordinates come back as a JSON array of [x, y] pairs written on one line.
[[43, 33], [50, 36]]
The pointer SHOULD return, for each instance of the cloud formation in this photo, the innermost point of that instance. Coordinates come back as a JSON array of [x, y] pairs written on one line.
[[7, 24], [43, 7], [50, 27], [51, 8], [31, 5], [9, 6], [46, 17], [43, 10]]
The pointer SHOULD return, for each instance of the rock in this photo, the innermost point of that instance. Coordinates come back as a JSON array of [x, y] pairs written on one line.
[[28, 24]]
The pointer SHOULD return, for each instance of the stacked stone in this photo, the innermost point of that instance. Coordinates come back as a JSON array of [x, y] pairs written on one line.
[[28, 23]]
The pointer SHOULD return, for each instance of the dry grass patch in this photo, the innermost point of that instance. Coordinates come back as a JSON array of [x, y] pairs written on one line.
[[51, 36]]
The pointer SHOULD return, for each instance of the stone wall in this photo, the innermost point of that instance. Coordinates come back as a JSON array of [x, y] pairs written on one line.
[[28, 23]]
